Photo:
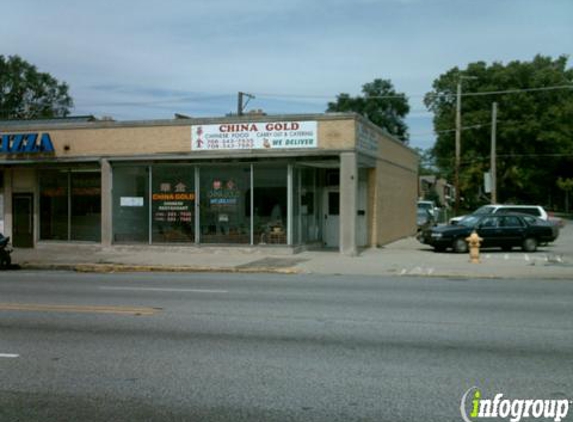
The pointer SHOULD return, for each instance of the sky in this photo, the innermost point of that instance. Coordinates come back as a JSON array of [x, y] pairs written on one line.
[[149, 59]]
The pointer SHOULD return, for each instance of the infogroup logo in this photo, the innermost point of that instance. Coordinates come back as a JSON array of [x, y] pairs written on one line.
[[475, 407]]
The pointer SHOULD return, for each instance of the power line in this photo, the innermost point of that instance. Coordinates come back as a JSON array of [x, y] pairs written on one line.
[[478, 126], [536, 155], [293, 96], [486, 158], [159, 102], [507, 91], [322, 97], [516, 91], [471, 160], [147, 103]]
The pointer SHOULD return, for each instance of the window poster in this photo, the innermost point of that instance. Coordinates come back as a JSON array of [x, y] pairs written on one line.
[[173, 205], [223, 195]]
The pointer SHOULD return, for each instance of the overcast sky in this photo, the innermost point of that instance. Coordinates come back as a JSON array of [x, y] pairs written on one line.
[[149, 59]]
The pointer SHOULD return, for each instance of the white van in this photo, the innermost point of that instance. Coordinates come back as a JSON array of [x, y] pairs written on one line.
[[430, 206]]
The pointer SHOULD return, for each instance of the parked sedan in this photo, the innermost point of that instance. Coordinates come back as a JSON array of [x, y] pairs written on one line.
[[499, 230]]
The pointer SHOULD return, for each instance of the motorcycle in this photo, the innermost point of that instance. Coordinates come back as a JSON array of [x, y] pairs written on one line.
[[5, 251]]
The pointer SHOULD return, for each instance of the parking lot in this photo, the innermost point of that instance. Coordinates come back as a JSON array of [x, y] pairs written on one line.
[[410, 257]]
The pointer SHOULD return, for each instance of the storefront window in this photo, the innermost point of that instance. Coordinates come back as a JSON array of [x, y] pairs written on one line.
[[70, 205], [225, 195], [131, 204], [173, 204], [235, 205], [54, 204], [270, 204], [85, 206]]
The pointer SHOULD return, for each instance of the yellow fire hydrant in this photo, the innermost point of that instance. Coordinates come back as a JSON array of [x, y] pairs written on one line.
[[474, 241]]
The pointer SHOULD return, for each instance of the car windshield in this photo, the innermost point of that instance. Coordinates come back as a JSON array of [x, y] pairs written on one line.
[[469, 221], [422, 212], [485, 210], [424, 206]]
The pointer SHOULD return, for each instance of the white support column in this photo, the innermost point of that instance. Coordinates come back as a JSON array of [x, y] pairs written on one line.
[[8, 202], [150, 202], [197, 207], [106, 203], [290, 203], [69, 190], [348, 203], [252, 204]]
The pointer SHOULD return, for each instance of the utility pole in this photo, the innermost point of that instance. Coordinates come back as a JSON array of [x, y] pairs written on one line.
[[458, 146], [459, 140], [493, 164], [240, 105]]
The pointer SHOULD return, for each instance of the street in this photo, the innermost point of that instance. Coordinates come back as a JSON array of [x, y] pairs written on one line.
[[257, 347]]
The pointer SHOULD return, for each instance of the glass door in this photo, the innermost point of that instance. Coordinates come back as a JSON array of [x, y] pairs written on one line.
[[23, 225], [331, 224]]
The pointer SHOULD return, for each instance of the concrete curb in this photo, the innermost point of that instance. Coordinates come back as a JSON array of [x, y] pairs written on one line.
[[113, 268], [87, 267], [457, 276]]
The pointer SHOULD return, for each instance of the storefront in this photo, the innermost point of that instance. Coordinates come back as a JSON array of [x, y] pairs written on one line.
[[332, 180]]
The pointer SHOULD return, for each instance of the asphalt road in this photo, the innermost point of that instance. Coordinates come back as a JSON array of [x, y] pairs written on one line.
[[212, 347]]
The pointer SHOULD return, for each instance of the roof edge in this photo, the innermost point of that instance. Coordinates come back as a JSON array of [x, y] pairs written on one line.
[[97, 124]]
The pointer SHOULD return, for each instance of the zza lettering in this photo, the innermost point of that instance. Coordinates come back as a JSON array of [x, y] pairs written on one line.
[[26, 143]]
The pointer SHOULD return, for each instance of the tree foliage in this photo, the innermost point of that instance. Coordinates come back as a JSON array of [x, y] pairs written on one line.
[[26, 93], [534, 127], [380, 103], [565, 185], [427, 163]]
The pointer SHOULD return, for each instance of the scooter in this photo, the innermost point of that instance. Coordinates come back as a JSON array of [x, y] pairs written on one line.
[[5, 251]]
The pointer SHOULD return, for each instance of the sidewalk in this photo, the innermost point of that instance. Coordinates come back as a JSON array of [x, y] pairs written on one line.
[[406, 257]]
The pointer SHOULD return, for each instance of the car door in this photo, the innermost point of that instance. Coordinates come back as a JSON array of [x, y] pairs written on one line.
[[511, 230], [488, 230]]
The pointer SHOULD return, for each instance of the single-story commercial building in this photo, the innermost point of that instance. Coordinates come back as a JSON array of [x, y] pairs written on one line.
[[328, 180]]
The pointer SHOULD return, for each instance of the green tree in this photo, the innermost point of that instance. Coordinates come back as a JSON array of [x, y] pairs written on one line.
[[534, 130], [427, 164], [565, 185], [380, 103], [26, 93]]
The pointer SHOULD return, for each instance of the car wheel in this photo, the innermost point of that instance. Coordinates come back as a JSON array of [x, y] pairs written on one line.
[[460, 245], [5, 262], [529, 244]]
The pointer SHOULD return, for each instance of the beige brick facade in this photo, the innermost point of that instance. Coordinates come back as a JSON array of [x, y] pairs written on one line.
[[110, 139], [395, 214], [121, 141]]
